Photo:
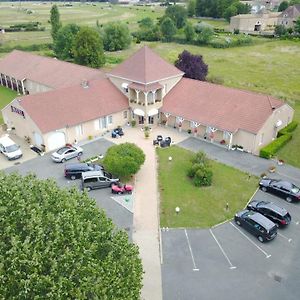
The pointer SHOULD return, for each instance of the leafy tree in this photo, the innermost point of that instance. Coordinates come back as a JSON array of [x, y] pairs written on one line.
[[116, 37], [192, 65], [124, 160], [189, 32], [297, 26], [280, 30], [168, 29], [56, 244], [63, 45], [54, 21], [293, 2], [230, 12], [88, 48], [200, 171], [191, 9], [178, 14], [146, 23], [204, 32]]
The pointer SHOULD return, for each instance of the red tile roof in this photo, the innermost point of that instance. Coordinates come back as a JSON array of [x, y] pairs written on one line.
[[218, 106], [51, 72], [74, 105], [145, 87], [145, 66]]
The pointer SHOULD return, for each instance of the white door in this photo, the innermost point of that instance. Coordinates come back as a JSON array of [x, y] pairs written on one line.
[[38, 140], [56, 140]]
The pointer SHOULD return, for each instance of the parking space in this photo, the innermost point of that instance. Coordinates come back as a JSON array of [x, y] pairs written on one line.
[[45, 168], [231, 263]]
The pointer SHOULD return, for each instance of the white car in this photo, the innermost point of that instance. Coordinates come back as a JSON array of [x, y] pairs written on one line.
[[66, 152], [9, 148]]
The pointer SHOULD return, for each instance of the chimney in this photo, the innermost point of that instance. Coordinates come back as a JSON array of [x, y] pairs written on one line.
[[85, 84]]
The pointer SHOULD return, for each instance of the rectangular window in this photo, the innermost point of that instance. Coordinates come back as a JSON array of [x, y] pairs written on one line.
[[79, 130], [125, 114], [102, 123], [261, 139], [109, 120]]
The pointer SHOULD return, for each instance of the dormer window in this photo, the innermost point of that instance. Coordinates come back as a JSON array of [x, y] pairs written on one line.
[[125, 87]]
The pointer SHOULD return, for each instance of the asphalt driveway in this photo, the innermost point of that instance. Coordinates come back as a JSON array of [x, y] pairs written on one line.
[[226, 262], [45, 168]]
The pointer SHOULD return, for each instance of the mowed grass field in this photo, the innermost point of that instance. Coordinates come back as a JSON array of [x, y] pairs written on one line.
[[80, 13], [199, 207], [6, 96]]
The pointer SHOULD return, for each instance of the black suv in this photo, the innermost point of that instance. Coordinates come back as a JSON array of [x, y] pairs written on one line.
[[280, 188], [74, 171], [278, 215], [258, 225]]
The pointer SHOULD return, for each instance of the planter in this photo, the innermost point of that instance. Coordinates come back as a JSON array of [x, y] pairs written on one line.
[[272, 169], [280, 162]]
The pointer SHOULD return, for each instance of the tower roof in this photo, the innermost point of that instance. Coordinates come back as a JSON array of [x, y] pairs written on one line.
[[145, 67]]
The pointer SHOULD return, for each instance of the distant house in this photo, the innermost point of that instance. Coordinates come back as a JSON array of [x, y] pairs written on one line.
[[265, 22], [68, 102]]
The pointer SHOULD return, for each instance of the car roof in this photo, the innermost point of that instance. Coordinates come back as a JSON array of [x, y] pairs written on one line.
[[92, 174], [6, 141], [76, 165], [281, 211], [261, 220]]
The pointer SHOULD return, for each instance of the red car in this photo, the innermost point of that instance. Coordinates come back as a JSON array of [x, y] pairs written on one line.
[[121, 189]]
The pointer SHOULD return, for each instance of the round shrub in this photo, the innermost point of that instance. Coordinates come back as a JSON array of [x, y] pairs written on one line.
[[203, 177]]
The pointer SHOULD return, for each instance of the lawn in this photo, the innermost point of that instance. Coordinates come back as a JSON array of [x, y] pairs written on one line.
[[6, 95], [199, 207], [80, 13]]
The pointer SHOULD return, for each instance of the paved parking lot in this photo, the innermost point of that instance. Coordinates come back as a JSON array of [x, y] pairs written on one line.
[[226, 262], [44, 168]]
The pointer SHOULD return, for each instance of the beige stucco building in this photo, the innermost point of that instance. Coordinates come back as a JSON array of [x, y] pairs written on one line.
[[265, 22], [54, 110]]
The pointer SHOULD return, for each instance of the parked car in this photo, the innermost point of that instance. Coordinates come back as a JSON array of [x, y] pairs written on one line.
[[276, 214], [280, 188], [74, 171], [9, 148], [96, 180], [66, 152], [258, 225], [117, 132], [119, 188]]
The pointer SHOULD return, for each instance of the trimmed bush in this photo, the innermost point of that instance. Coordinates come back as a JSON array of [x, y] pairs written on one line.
[[193, 169], [271, 149], [203, 176], [288, 129]]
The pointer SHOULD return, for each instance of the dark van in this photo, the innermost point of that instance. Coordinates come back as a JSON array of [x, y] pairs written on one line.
[[258, 225], [74, 171]]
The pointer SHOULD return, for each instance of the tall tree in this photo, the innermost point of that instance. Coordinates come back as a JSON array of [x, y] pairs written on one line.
[[178, 14], [56, 244], [189, 32], [54, 21], [297, 26], [116, 36], [88, 48], [283, 6], [64, 42], [191, 9], [193, 66], [168, 29]]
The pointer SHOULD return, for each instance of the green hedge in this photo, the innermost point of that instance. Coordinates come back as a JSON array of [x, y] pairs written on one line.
[[271, 149], [288, 129]]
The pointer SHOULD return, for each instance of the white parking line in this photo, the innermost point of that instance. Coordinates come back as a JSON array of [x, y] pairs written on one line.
[[264, 252], [222, 250], [188, 241], [252, 197], [285, 237]]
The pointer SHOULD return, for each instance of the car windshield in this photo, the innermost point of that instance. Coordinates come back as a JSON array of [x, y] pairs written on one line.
[[12, 148], [62, 150], [262, 203]]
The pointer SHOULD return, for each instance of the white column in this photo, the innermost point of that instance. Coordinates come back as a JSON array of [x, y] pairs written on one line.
[[137, 96], [5, 81], [1, 79], [230, 141], [11, 83], [23, 88], [146, 98]]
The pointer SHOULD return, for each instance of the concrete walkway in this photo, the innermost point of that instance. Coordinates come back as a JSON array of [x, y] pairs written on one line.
[[146, 208]]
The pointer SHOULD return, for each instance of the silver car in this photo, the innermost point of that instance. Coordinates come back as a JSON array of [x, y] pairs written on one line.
[[66, 152]]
